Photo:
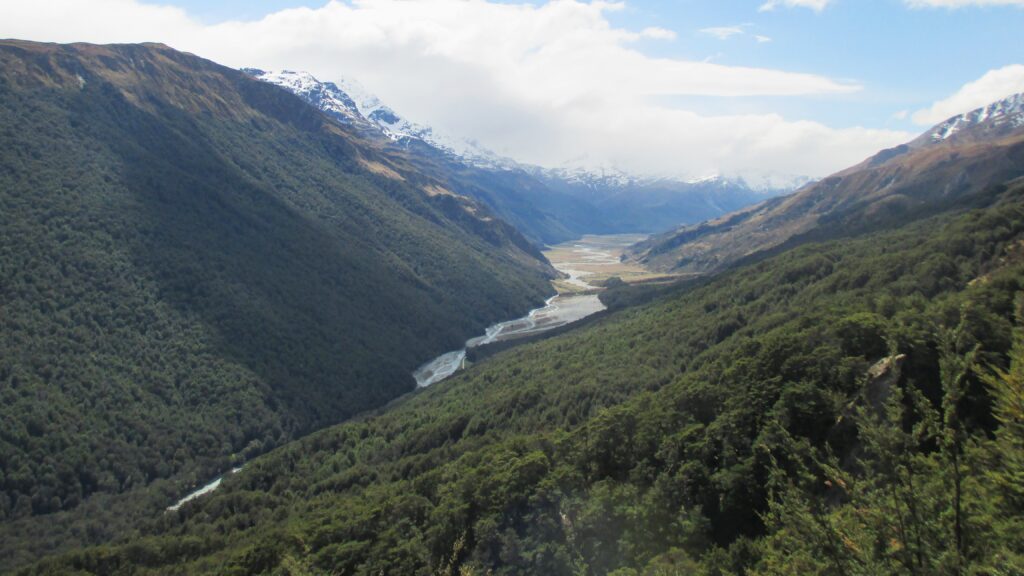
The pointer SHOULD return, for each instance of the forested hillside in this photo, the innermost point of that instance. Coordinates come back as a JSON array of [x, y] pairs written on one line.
[[195, 267], [846, 407]]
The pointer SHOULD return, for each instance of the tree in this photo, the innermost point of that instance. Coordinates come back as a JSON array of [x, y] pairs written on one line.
[[1006, 474]]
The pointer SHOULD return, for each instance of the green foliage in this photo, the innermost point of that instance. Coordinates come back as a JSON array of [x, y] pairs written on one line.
[[927, 495], [195, 268], [863, 334], [1005, 457], [749, 424]]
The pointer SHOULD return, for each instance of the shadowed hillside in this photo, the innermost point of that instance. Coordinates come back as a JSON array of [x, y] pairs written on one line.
[[197, 266]]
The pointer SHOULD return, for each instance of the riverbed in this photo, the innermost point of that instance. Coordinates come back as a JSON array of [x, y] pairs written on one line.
[[204, 490], [589, 259], [581, 261]]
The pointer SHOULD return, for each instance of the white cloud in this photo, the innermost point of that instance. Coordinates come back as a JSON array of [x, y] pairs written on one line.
[[547, 83], [656, 33], [994, 85], [816, 5], [722, 32], [961, 3], [727, 32]]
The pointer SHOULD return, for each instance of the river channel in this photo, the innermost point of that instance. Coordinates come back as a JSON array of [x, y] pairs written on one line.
[[586, 260], [583, 261]]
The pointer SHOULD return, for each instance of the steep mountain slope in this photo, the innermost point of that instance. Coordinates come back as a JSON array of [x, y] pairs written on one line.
[[549, 206], [653, 441], [196, 266], [350, 103], [542, 214], [954, 160]]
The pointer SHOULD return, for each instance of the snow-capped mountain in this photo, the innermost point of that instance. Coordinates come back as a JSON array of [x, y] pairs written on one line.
[[967, 156], [549, 205], [587, 177], [772, 183], [326, 96], [603, 177], [1003, 116], [350, 103], [768, 184]]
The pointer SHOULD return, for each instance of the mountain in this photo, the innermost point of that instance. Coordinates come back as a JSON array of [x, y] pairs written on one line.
[[542, 214], [350, 103], [653, 205], [952, 161], [548, 205], [197, 267], [997, 120], [843, 407]]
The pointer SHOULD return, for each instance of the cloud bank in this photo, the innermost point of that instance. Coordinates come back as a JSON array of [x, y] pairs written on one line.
[[723, 32], [994, 85], [551, 84]]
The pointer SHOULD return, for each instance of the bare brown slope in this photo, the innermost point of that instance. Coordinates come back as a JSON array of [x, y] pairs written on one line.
[[905, 182]]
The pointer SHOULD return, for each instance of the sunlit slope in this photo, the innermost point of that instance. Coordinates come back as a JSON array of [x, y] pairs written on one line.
[[943, 168]]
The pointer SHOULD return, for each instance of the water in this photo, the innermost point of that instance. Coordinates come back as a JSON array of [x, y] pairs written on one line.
[[579, 259], [439, 368], [202, 491], [586, 257]]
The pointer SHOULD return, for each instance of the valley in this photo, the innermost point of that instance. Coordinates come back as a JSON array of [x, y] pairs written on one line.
[[259, 323], [199, 267], [651, 438], [593, 259], [587, 264]]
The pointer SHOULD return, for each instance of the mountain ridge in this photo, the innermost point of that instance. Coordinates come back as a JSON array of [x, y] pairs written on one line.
[[550, 205], [956, 158], [199, 267]]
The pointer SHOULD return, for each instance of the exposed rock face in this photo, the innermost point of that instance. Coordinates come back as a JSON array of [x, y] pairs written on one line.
[[881, 378]]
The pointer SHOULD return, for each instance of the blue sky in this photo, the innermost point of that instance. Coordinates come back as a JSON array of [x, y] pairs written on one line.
[[216, 11], [905, 58], [680, 88]]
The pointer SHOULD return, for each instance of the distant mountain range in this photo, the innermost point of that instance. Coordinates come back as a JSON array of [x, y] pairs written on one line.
[[548, 205], [949, 163]]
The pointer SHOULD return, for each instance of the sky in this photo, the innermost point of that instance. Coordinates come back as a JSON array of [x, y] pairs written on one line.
[[763, 89]]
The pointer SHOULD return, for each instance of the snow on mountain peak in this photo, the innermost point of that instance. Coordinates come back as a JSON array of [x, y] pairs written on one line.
[[705, 179], [350, 103], [1008, 112], [325, 96], [371, 108]]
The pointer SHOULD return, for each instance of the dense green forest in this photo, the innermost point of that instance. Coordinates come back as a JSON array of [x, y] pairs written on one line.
[[195, 267], [852, 406]]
